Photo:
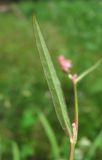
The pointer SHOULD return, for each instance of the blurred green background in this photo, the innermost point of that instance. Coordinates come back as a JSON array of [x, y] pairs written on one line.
[[29, 129]]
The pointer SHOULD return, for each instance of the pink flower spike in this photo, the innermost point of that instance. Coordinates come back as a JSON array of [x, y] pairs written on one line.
[[73, 77], [65, 64]]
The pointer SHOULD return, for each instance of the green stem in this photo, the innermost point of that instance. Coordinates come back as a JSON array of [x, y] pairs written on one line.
[[76, 105], [89, 70], [72, 148], [75, 132]]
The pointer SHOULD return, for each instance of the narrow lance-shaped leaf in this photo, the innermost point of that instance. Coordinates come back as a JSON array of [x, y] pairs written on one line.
[[51, 136], [52, 80]]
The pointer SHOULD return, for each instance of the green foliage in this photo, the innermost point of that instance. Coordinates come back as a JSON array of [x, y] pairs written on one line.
[[72, 29], [15, 151], [52, 80], [51, 136], [94, 147]]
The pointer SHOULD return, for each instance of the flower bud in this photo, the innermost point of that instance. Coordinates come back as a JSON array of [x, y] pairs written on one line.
[[74, 127]]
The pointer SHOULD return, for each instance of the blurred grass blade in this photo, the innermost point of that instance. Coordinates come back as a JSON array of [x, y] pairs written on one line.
[[15, 151], [51, 136], [1, 150], [52, 79], [89, 70], [93, 148]]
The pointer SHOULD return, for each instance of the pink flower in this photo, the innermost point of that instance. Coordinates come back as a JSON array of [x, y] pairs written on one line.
[[65, 64], [73, 77]]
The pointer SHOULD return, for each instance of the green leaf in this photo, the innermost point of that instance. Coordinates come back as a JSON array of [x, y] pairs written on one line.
[[93, 148], [51, 136], [52, 80], [15, 151]]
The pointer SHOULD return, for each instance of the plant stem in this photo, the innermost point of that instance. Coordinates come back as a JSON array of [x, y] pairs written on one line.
[[72, 147], [75, 130], [76, 105]]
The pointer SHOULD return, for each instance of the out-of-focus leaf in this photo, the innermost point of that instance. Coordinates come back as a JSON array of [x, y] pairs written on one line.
[[52, 79], [51, 136], [28, 119], [0, 148], [27, 150], [94, 147], [15, 151]]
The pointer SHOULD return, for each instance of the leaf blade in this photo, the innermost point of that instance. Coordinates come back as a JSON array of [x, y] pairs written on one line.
[[52, 80], [15, 151], [51, 135]]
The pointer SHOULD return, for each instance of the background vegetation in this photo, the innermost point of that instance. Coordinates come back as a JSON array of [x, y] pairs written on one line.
[[28, 125]]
